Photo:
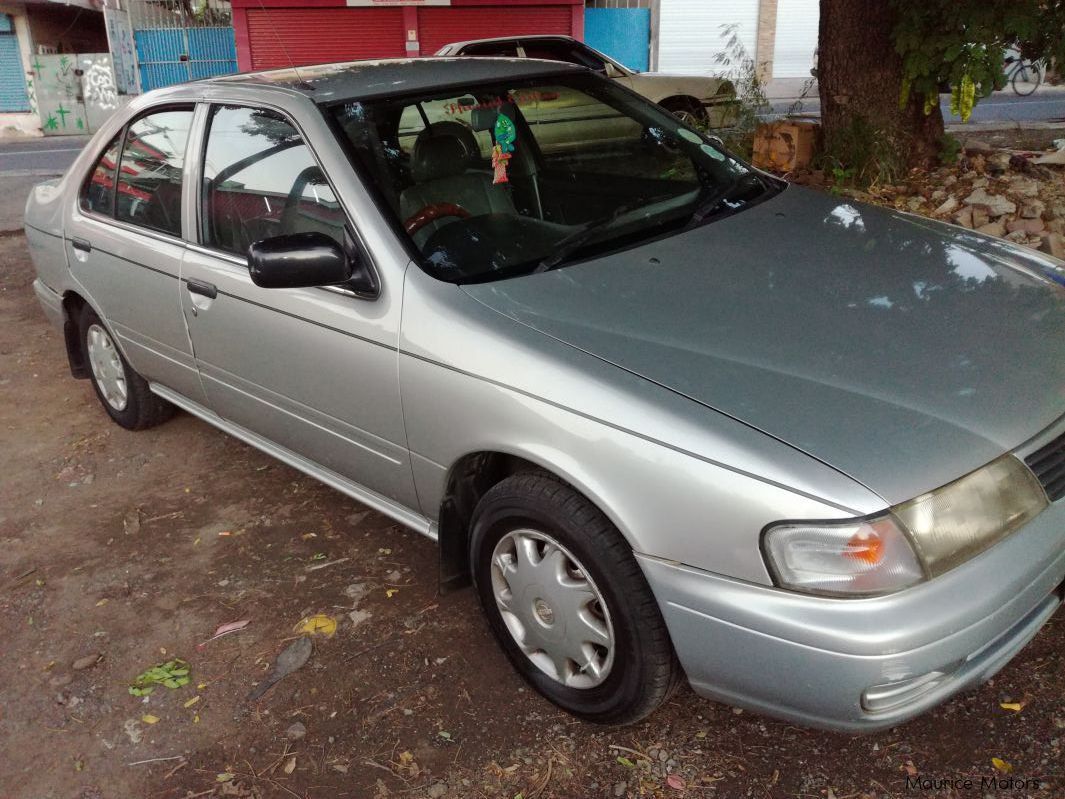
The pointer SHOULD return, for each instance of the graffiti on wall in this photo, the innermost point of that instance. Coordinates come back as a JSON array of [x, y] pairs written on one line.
[[73, 93], [57, 90], [98, 90], [123, 50]]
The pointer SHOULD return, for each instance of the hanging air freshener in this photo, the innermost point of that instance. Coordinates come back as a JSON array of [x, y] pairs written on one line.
[[503, 151]]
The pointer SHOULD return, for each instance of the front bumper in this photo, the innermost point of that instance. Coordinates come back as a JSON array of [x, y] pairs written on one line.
[[811, 659]]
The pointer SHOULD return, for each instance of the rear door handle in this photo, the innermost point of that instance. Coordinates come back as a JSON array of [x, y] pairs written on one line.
[[208, 290], [81, 244]]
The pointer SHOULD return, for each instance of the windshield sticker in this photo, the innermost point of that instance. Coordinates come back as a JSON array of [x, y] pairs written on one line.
[[688, 135], [503, 151], [713, 152]]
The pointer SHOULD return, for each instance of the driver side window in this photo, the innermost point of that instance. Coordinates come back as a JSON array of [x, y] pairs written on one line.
[[260, 180]]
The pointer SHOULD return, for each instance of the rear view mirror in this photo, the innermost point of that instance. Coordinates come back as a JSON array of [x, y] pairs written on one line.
[[306, 260]]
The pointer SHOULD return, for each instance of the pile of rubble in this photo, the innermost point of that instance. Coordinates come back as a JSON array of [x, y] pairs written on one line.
[[1014, 195]]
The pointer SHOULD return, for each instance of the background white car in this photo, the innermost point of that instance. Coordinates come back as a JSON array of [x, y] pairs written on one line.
[[693, 98]]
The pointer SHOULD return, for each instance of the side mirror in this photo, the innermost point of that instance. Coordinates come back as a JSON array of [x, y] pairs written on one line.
[[306, 260]]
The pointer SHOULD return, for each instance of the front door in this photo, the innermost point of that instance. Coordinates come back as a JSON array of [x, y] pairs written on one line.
[[313, 370]]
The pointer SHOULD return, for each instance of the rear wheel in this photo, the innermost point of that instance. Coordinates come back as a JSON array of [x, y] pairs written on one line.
[[1026, 78], [568, 602], [123, 393], [687, 109]]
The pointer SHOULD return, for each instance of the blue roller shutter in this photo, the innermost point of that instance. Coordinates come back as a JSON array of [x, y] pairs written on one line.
[[13, 95]]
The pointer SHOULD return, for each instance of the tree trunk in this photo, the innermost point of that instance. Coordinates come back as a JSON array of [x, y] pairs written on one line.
[[860, 80]]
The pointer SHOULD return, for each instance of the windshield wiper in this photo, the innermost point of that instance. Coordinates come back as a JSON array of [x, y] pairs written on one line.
[[567, 245], [712, 204]]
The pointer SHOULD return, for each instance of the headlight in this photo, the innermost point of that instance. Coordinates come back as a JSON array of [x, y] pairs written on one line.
[[919, 539], [959, 520], [859, 556]]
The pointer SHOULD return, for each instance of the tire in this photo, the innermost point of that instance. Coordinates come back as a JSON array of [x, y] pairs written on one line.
[[123, 393], [620, 683], [687, 110], [1026, 79]]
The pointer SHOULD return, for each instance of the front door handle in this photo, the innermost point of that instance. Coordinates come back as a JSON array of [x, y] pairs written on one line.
[[81, 244], [208, 290]]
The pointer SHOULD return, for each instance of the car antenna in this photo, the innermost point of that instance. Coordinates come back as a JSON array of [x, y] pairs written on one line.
[[302, 84]]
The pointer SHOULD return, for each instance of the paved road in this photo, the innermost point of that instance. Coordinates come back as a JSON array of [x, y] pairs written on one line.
[[47, 155], [1046, 105]]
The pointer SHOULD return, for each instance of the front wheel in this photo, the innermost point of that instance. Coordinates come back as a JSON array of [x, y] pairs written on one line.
[[568, 602]]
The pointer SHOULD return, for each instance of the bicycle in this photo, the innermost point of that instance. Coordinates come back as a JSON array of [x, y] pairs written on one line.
[[1024, 76]]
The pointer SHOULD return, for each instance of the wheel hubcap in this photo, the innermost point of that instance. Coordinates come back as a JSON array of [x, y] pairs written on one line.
[[106, 367], [552, 608]]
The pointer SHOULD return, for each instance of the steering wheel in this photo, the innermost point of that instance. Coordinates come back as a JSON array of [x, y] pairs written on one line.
[[431, 213], [292, 203]]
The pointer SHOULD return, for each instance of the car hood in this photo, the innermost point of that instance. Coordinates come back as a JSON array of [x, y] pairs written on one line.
[[665, 84], [900, 351]]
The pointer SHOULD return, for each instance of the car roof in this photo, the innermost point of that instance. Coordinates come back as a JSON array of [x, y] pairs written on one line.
[[352, 80], [510, 39]]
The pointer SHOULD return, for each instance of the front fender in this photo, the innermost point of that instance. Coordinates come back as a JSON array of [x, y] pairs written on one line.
[[467, 388]]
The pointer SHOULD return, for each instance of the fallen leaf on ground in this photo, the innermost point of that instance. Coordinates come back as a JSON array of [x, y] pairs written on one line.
[[390, 592], [225, 776], [148, 718], [1016, 707], [172, 674], [675, 782], [318, 624], [192, 701], [290, 765], [293, 657], [226, 629], [1001, 765]]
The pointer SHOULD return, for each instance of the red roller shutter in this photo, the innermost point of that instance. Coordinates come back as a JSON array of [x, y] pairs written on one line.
[[279, 37], [441, 25]]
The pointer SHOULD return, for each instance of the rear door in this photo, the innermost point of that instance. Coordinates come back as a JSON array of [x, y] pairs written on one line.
[[315, 369], [124, 245]]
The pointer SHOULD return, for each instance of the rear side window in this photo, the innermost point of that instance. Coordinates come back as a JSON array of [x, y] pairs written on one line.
[[493, 49], [98, 193], [151, 170], [571, 53], [260, 180]]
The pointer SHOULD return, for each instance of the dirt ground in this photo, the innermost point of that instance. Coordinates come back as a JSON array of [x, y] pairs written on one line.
[[119, 551]]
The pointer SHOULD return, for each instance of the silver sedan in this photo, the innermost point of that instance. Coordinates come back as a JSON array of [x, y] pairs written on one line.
[[673, 417]]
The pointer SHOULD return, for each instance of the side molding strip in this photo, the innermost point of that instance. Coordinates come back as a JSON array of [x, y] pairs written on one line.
[[400, 513]]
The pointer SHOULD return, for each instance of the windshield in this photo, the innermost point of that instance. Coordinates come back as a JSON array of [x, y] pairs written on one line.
[[497, 180]]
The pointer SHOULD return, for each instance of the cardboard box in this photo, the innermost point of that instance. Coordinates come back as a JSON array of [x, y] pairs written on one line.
[[785, 145]]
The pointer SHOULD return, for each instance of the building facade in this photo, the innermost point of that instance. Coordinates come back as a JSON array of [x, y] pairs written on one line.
[[278, 33], [40, 42], [703, 36]]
